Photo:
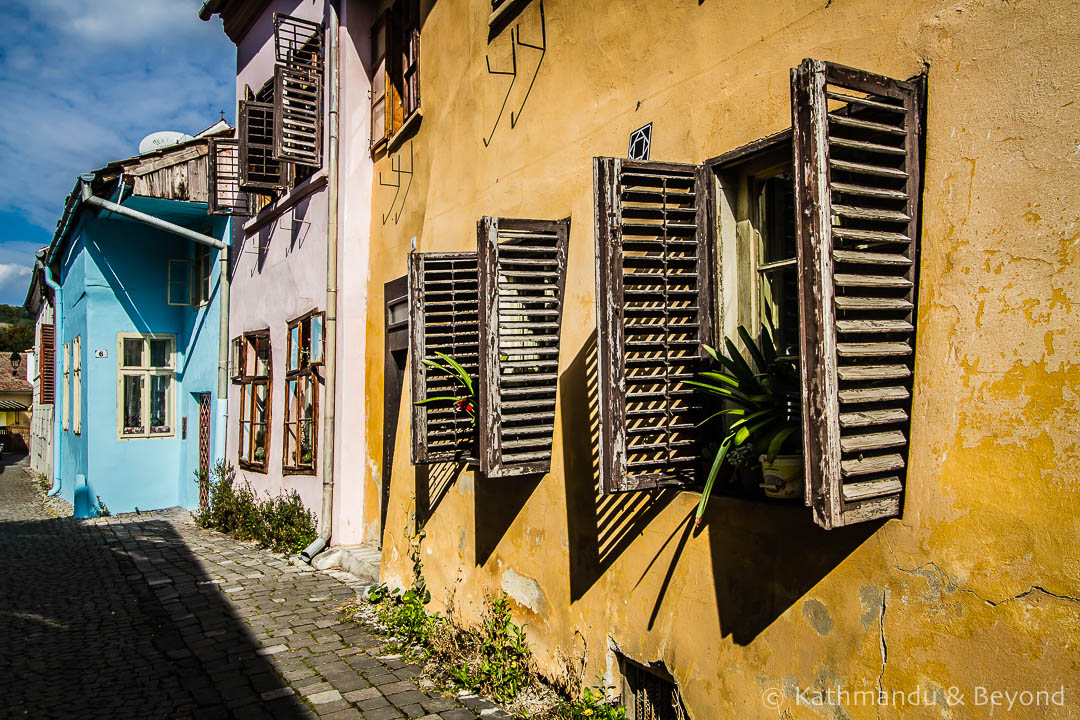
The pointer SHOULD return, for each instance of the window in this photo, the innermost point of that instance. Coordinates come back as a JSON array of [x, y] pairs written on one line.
[[819, 231], [66, 409], [146, 385], [224, 196], [498, 313], [179, 282], [304, 353], [395, 86], [76, 380], [47, 380], [251, 369], [200, 279]]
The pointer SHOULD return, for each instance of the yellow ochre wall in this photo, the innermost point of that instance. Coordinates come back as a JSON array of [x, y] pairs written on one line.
[[976, 588]]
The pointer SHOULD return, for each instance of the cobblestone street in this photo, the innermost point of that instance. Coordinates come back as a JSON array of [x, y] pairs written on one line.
[[150, 616]]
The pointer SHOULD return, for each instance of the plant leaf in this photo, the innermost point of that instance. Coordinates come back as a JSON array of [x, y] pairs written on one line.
[[439, 398], [712, 352], [728, 411], [711, 480], [778, 439], [726, 379], [460, 370], [752, 348]]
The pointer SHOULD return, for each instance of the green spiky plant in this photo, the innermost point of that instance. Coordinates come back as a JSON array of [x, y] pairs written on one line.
[[759, 392], [465, 400]]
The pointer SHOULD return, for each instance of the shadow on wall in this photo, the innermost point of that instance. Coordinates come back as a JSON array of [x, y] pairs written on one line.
[[432, 484], [765, 555], [101, 634]]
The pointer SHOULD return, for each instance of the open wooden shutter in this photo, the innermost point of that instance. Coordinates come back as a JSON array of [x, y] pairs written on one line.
[[298, 47], [857, 162], [443, 306], [380, 81], [47, 368], [224, 196], [255, 129], [522, 275], [655, 309]]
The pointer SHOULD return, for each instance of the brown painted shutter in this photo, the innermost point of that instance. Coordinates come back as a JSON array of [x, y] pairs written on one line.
[[224, 196], [655, 309], [47, 369], [857, 161], [522, 276], [443, 306], [298, 78], [255, 129], [380, 80]]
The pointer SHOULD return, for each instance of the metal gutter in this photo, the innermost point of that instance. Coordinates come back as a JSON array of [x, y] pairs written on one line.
[[330, 333]]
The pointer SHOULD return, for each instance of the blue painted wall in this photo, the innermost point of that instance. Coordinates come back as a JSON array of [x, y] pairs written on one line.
[[114, 277]]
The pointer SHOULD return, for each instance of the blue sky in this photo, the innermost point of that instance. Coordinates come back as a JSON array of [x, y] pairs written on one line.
[[82, 83]]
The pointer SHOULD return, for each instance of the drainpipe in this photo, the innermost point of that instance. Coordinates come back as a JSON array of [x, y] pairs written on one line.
[[90, 199], [330, 334], [58, 334]]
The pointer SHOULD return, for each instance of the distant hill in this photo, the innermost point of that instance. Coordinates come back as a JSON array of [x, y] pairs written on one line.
[[16, 329]]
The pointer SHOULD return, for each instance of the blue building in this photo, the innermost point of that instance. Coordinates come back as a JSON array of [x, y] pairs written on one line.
[[134, 270]]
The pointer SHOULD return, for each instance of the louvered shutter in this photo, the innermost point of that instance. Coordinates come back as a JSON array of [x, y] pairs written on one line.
[[255, 129], [47, 383], [522, 275], [298, 47], [857, 160], [224, 196], [443, 305], [655, 309]]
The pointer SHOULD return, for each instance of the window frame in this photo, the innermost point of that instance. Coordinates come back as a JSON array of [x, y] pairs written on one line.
[[397, 32], [47, 366], [304, 371], [186, 283], [249, 381], [146, 371], [66, 389], [202, 271], [76, 385]]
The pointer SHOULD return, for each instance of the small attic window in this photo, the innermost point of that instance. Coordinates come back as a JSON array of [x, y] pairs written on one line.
[[650, 693]]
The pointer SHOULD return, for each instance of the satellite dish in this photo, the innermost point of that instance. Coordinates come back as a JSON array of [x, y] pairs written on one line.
[[164, 138]]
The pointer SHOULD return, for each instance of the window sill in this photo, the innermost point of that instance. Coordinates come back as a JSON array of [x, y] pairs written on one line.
[[411, 124], [276, 209], [298, 471], [251, 468]]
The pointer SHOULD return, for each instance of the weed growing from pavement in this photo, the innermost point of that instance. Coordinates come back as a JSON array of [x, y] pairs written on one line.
[[44, 483], [281, 524], [492, 658], [101, 509]]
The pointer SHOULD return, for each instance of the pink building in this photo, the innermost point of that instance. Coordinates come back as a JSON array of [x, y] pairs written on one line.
[[283, 432]]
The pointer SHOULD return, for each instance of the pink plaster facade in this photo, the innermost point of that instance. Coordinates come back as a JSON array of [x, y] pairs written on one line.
[[279, 270]]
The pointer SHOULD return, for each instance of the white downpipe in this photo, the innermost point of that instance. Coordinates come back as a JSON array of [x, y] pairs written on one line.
[[330, 334], [58, 334]]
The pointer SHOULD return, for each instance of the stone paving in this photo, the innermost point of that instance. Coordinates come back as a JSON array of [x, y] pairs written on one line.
[[151, 616]]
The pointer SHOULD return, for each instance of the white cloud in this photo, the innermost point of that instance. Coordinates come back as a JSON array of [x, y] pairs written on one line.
[[13, 282]]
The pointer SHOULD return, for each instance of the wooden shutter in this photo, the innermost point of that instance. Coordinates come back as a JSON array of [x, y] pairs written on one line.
[[655, 309], [47, 382], [258, 168], [380, 81], [857, 162], [443, 306], [522, 275], [298, 90], [224, 196]]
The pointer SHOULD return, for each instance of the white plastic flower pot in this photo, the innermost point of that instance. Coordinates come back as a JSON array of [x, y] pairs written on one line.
[[783, 477]]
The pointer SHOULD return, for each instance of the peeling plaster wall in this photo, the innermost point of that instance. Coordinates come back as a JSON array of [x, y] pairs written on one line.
[[978, 585]]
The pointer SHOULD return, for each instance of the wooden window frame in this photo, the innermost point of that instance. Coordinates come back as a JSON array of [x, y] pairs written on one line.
[[298, 90], [397, 33], [146, 371], [66, 390], [187, 283], [512, 438], [224, 196], [248, 380], [264, 146], [305, 370], [76, 385], [202, 270], [47, 374]]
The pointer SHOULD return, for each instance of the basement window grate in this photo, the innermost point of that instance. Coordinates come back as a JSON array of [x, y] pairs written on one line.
[[651, 694]]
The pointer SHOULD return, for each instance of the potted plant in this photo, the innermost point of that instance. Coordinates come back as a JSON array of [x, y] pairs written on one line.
[[764, 405]]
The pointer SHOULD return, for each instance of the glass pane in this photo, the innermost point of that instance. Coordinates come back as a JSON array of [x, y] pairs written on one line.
[[259, 410], [159, 402], [307, 444], [258, 452], [779, 282], [133, 405], [316, 338], [160, 353], [133, 352], [245, 440], [249, 356], [290, 401], [290, 444], [307, 399], [398, 311], [294, 347], [262, 357]]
